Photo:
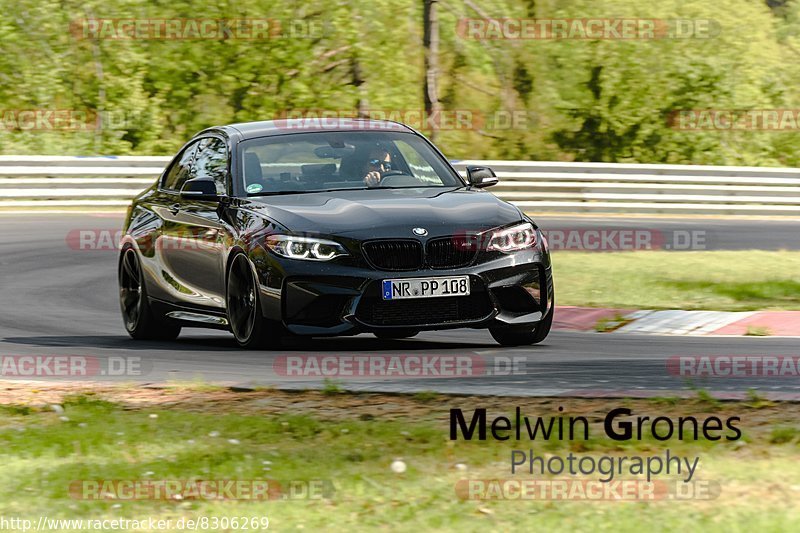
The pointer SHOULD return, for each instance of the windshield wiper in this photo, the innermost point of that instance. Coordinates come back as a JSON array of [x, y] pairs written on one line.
[[280, 193], [277, 193], [414, 187]]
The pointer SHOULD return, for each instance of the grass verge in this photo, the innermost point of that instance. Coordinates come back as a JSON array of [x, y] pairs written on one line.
[[350, 441], [724, 281]]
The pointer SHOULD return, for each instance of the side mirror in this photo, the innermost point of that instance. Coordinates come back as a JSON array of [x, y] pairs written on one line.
[[200, 189], [481, 177]]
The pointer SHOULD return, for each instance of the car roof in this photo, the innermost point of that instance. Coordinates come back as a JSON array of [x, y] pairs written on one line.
[[250, 130]]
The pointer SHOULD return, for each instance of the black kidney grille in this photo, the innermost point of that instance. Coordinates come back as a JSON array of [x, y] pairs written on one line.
[[450, 252], [394, 254]]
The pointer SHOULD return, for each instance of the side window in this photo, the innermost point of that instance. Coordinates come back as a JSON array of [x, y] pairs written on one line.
[[179, 172], [212, 163]]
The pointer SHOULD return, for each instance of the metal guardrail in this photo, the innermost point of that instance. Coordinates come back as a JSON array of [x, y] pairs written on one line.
[[56, 182], [539, 186], [536, 186]]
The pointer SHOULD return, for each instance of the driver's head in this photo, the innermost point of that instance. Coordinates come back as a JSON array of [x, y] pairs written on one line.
[[378, 160]]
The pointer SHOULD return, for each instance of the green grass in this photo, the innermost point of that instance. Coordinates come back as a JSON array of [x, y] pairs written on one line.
[[727, 281], [605, 325], [331, 386], [41, 454], [758, 331]]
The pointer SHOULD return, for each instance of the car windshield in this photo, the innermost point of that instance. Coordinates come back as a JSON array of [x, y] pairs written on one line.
[[320, 161]]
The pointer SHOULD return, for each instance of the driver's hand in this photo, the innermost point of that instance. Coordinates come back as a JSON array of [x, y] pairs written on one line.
[[372, 179]]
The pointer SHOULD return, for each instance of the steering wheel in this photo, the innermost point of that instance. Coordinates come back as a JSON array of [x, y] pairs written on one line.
[[389, 178], [390, 173]]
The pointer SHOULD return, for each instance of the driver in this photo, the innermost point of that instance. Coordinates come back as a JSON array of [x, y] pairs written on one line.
[[378, 162]]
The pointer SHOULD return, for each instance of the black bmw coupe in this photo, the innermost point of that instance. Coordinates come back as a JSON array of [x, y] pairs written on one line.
[[328, 227]]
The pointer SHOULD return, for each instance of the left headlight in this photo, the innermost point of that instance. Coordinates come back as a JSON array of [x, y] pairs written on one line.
[[308, 248], [514, 238]]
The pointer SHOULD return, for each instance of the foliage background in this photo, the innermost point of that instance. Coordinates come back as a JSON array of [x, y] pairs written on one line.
[[601, 100]]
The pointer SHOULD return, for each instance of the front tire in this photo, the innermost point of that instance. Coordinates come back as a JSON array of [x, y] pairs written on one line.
[[140, 321], [524, 335], [249, 327]]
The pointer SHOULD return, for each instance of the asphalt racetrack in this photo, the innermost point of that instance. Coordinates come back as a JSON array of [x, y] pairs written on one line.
[[61, 300]]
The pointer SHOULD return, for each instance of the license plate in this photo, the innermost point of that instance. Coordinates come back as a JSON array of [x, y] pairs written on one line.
[[399, 289]]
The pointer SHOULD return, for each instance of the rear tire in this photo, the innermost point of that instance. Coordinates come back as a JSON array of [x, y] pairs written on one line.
[[249, 327], [396, 334], [524, 335], [140, 321]]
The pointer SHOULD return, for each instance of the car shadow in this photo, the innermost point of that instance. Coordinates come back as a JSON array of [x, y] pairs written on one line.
[[359, 344], [227, 343], [122, 342]]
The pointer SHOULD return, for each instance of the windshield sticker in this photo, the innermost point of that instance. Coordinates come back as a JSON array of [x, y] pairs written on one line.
[[254, 188]]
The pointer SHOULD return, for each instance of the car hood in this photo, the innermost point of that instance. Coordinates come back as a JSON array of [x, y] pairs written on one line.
[[381, 213]]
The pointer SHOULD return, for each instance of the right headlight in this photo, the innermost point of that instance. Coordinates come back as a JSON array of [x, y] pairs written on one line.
[[512, 239], [308, 248]]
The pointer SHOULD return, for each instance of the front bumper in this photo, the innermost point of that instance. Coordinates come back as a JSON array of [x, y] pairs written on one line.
[[324, 299]]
